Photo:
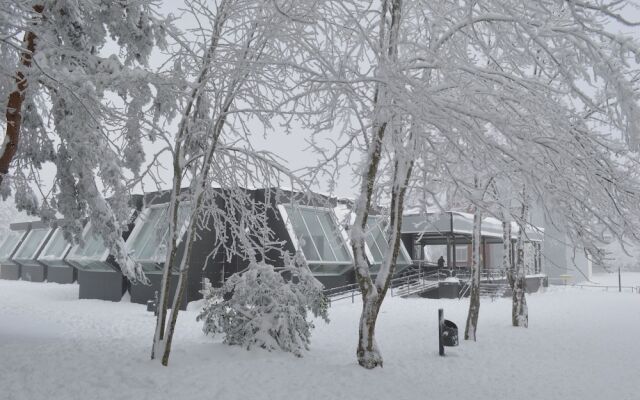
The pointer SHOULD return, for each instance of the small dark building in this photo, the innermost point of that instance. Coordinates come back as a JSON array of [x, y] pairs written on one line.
[[8, 247], [29, 250], [52, 258], [148, 245]]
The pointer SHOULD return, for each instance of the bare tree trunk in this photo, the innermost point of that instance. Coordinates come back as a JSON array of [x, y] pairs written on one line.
[[519, 312], [474, 297], [16, 100], [507, 263], [178, 167], [200, 184], [373, 293], [182, 285], [367, 352]]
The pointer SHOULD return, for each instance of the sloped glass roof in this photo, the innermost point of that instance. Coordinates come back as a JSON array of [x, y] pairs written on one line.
[[55, 249], [149, 241], [93, 249], [318, 235], [376, 240], [31, 244], [9, 244]]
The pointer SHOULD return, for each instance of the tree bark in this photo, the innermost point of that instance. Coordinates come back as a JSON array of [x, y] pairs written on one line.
[[519, 311], [507, 263], [178, 167], [373, 293], [474, 297], [16, 100]]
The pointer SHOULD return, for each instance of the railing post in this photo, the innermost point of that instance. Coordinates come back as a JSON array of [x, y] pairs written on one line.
[[619, 281], [440, 328], [352, 296]]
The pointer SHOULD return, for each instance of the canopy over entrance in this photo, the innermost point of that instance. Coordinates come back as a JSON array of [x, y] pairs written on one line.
[[454, 230]]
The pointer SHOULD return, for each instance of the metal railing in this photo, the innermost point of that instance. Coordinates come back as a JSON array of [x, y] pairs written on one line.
[[466, 286], [343, 292], [415, 283], [402, 285], [606, 288], [417, 280]]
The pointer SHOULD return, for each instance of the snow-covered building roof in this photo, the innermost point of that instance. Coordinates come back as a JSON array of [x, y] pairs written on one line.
[[459, 224]]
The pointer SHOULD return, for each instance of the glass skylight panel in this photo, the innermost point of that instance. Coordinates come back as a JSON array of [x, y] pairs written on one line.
[[304, 237], [376, 240], [318, 235], [10, 242], [31, 244], [332, 235], [56, 246], [151, 240], [93, 248]]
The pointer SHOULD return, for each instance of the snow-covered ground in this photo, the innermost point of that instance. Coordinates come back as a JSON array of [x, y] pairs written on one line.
[[627, 279], [581, 344]]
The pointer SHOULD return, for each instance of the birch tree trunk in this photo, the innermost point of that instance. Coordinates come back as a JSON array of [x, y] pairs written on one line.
[[159, 342], [373, 293], [520, 313], [16, 99], [474, 297], [507, 262], [201, 180]]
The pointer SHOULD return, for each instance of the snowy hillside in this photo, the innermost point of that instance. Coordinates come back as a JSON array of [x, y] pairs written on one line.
[[581, 344]]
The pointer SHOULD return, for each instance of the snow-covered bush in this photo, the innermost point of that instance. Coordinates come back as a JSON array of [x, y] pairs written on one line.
[[265, 307]]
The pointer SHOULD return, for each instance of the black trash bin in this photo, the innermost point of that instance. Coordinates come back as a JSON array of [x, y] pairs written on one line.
[[449, 334]]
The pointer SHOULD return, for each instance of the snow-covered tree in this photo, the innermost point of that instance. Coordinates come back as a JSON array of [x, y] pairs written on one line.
[[240, 71], [75, 90], [266, 308], [527, 84]]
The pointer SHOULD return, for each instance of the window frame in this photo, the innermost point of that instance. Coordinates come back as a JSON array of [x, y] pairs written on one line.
[[370, 229], [43, 254], [20, 235], [141, 220], [466, 250], [34, 254], [342, 236], [73, 250]]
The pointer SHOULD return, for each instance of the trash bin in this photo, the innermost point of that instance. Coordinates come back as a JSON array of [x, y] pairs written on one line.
[[449, 334], [151, 306]]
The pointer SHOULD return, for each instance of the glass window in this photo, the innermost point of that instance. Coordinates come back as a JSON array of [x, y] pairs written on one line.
[[333, 236], [318, 235], [150, 243], [462, 253], [9, 244], [333, 269], [31, 244], [376, 240], [303, 235], [93, 248], [56, 246]]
